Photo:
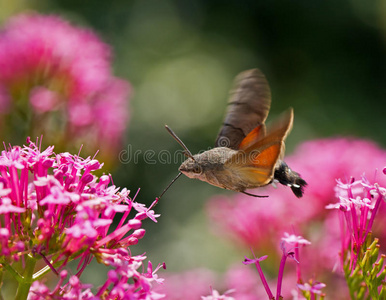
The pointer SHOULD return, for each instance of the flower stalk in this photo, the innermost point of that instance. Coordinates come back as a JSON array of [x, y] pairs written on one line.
[[27, 279]]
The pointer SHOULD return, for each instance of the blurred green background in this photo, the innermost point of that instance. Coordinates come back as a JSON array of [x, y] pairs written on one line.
[[325, 58]]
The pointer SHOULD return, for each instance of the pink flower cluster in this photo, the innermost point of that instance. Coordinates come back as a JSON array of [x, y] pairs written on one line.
[[57, 78], [359, 202], [53, 208]]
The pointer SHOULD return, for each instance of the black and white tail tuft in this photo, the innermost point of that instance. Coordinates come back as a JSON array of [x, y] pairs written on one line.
[[287, 177]]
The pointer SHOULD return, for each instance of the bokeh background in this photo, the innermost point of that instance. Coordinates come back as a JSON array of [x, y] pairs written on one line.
[[326, 59]]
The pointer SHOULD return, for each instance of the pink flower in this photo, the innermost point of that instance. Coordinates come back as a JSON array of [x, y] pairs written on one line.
[[294, 240], [59, 77], [6, 207]]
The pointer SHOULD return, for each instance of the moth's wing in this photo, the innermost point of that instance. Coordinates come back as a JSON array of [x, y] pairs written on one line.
[[252, 137], [277, 132], [256, 159], [248, 107]]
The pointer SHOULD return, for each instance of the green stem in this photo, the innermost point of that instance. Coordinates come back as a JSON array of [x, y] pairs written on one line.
[[24, 286], [13, 272], [1, 282]]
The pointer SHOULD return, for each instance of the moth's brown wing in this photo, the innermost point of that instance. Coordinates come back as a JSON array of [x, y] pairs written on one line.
[[248, 107], [278, 131], [255, 135], [256, 160]]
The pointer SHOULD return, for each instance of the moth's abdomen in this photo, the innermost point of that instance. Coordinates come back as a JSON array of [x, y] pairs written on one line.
[[286, 176]]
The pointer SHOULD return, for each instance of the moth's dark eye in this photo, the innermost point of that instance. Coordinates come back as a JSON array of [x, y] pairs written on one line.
[[197, 169]]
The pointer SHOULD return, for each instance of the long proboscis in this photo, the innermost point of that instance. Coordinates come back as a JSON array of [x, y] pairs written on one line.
[[187, 152], [169, 185]]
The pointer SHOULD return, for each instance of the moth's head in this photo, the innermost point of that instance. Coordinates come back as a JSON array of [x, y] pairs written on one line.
[[191, 168]]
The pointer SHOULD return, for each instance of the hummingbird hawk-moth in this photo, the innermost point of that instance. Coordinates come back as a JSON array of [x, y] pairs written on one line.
[[246, 154]]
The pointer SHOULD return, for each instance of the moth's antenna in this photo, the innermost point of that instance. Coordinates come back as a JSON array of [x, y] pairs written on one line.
[[179, 174], [187, 152]]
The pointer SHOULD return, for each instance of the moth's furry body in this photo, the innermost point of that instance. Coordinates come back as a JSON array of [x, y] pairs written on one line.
[[211, 166], [246, 155]]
